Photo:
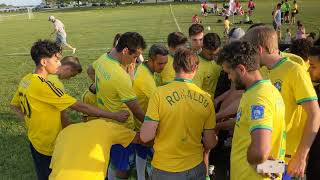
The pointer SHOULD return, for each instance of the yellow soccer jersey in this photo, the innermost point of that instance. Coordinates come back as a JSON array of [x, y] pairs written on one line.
[[113, 87], [168, 73], [143, 86], [183, 111], [295, 86], [41, 102], [207, 75], [82, 150], [89, 97], [56, 81], [261, 107], [297, 59]]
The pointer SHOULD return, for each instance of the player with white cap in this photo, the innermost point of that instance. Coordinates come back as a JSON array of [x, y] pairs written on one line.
[[61, 35]]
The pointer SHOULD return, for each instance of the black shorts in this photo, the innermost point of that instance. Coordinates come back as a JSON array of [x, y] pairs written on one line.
[[286, 13], [42, 163]]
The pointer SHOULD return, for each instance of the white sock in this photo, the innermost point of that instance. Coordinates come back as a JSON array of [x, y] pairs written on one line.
[[141, 167]]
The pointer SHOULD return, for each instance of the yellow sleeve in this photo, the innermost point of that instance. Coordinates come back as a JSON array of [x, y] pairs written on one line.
[[148, 90], [198, 79], [15, 100], [211, 121], [152, 113], [48, 93], [88, 97], [302, 86], [260, 114], [122, 135], [125, 90]]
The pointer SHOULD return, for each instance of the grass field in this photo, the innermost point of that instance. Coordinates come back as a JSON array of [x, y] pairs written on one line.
[[91, 31]]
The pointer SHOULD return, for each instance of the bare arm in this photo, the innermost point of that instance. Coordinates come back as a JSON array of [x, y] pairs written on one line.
[[121, 116], [136, 110], [64, 119], [260, 146], [209, 139], [225, 125], [297, 164], [17, 111], [148, 130]]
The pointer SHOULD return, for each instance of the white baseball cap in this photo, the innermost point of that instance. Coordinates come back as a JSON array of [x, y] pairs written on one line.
[[236, 34], [51, 18]]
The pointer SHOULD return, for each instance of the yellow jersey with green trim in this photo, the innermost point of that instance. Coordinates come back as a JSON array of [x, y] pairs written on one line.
[[56, 81], [113, 87], [295, 86], [207, 75], [42, 103], [89, 97], [168, 74], [82, 150], [183, 112], [143, 86], [261, 107], [297, 59]]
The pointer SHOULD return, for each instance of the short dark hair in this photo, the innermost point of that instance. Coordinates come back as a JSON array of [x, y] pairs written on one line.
[[239, 52], [185, 60], [195, 29], [227, 17], [157, 49], [176, 38], [256, 25], [73, 62], [132, 41], [116, 39], [301, 47], [312, 35], [44, 49], [211, 41], [315, 51]]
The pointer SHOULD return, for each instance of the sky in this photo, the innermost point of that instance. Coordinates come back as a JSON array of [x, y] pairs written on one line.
[[20, 2]]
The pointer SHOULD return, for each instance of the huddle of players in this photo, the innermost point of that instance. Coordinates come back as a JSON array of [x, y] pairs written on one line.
[[276, 118]]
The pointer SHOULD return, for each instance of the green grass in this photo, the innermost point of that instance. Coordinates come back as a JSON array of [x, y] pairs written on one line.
[[91, 31]]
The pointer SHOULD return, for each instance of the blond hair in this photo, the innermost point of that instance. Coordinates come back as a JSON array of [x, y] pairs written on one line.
[[263, 36]]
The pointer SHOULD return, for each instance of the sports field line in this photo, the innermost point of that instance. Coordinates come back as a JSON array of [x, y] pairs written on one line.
[[174, 18], [78, 50]]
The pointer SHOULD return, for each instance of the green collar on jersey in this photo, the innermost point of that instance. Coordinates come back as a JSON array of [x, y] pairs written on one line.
[[281, 61], [148, 68], [183, 80], [257, 83], [112, 59]]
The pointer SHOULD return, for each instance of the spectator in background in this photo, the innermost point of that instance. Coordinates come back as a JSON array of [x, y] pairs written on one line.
[[277, 20], [195, 19], [294, 12], [312, 37], [287, 37], [301, 32]]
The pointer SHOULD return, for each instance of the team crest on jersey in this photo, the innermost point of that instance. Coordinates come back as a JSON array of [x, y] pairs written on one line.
[[278, 84], [257, 112]]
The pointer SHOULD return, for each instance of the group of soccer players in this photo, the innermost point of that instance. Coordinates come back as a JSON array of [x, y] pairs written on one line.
[[171, 108]]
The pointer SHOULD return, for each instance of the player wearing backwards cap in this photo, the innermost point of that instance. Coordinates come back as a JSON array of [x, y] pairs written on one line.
[[260, 125], [114, 92], [175, 41], [40, 104], [295, 86], [144, 84], [178, 114], [61, 35]]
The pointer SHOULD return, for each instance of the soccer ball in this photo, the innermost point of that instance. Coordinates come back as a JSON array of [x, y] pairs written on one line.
[[209, 28]]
